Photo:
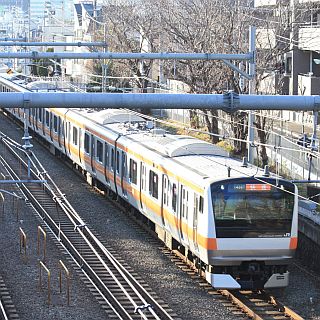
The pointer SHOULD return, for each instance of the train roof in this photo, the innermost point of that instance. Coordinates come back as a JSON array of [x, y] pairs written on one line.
[[203, 159], [42, 86], [117, 116]]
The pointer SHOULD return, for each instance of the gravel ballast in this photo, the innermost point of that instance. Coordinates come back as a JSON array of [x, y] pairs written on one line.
[[180, 291]]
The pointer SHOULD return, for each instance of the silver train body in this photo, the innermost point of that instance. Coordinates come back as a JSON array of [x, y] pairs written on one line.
[[237, 224]]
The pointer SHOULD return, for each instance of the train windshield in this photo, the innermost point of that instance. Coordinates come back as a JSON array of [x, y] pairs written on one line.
[[246, 208]]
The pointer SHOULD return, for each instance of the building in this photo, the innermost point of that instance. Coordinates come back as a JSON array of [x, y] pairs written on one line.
[[50, 17], [85, 30], [297, 71]]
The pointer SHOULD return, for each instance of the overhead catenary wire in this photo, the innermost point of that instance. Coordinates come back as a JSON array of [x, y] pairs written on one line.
[[250, 176], [224, 137], [227, 165]]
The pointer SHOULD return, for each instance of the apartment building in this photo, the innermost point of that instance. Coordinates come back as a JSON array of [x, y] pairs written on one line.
[[295, 28]]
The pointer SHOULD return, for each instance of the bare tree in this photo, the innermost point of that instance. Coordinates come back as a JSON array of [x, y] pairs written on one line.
[[131, 28], [203, 26]]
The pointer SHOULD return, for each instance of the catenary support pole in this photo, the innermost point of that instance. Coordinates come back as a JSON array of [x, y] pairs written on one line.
[[313, 141], [252, 40]]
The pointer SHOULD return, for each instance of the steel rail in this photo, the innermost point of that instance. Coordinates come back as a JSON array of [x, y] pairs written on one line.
[[238, 298], [36, 209], [63, 202], [289, 312], [43, 214], [242, 305], [70, 245], [144, 302], [3, 311], [127, 275], [69, 212]]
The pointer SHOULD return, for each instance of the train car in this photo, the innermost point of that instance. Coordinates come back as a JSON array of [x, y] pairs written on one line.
[[237, 222]]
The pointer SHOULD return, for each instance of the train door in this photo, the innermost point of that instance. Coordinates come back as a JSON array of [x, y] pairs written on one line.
[[174, 204], [106, 162], [59, 131], [68, 134], [56, 132], [196, 204], [37, 118], [124, 173], [183, 211], [79, 146], [48, 123], [64, 135], [143, 181], [164, 199], [41, 114], [92, 153]]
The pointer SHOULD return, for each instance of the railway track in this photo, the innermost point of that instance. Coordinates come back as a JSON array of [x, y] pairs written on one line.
[[7, 308], [121, 295], [256, 305]]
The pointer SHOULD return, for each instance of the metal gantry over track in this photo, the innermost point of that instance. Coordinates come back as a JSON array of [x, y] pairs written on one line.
[[229, 102]]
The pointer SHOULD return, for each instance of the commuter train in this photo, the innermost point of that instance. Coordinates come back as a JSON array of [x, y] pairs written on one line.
[[237, 222]]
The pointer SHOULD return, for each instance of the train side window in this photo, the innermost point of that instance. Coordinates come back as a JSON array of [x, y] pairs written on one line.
[[184, 199], [201, 204], [86, 143], [75, 136], [118, 162], [153, 184], [112, 159], [133, 172], [174, 197], [47, 118], [99, 151], [55, 123]]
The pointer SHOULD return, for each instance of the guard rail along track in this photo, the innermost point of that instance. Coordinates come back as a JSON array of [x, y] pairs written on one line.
[[125, 297]]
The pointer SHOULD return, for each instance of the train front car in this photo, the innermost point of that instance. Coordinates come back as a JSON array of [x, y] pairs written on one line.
[[256, 233]]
